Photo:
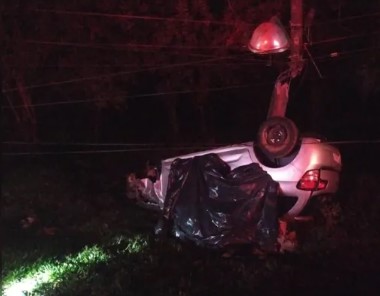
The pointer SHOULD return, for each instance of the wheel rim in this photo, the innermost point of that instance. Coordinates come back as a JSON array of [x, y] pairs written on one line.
[[276, 135]]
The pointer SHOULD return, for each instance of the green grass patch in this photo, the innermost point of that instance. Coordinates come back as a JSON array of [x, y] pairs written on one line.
[[48, 274]]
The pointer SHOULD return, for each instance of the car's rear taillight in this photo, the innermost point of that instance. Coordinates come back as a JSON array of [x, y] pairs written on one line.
[[311, 181]]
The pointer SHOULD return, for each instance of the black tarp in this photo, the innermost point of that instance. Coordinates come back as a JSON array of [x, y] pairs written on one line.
[[214, 206]]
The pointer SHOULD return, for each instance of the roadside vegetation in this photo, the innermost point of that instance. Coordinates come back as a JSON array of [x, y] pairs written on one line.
[[69, 231]]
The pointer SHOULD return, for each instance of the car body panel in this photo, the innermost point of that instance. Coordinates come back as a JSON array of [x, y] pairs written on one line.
[[313, 154]]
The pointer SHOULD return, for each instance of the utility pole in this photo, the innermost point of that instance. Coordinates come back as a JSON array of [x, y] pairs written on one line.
[[280, 94], [296, 31]]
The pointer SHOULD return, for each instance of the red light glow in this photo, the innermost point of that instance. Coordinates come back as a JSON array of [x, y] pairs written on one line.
[[311, 181]]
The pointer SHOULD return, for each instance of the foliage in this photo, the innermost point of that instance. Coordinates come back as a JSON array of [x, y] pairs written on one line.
[[103, 61], [86, 258], [100, 59]]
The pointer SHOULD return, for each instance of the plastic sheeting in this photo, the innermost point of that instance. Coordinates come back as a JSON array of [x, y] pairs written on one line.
[[211, 205]]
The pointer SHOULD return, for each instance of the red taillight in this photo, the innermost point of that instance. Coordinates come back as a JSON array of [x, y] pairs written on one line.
[[311, 181]]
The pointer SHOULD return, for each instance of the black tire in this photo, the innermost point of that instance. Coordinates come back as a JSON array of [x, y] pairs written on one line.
[[277, 137]]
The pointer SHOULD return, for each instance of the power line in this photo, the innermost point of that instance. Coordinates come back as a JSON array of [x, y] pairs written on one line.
[[127, 45], [354, 142], [103, 151], [344, 38], [240, 58], [151, 68], [345, 54], [348, 18], [141, 149], [239, 62], [138, 46], [153, 50], [136, 17], [110, 144], [245, 62], [179, 92], [146, 47], [112, 74], [215, 89], [189, 145], [173, 19]]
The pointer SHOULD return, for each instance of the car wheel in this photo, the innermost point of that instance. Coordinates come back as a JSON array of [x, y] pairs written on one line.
[[277, 136]]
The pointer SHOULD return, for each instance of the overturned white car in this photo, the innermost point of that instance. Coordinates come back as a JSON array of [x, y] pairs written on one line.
[[311, 170]]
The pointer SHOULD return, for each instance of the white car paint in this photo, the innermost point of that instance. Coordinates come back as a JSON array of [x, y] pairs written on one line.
[[313, 154]]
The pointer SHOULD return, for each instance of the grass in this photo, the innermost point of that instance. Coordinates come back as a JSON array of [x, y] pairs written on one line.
[[51, 274], [104, 246], [49, 271]]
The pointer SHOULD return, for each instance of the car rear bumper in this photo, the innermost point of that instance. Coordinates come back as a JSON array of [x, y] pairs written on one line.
[[295, 201]]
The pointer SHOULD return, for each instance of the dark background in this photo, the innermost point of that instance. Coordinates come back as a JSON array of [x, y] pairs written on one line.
[[79, 77], [44, 50], [90, 72]]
